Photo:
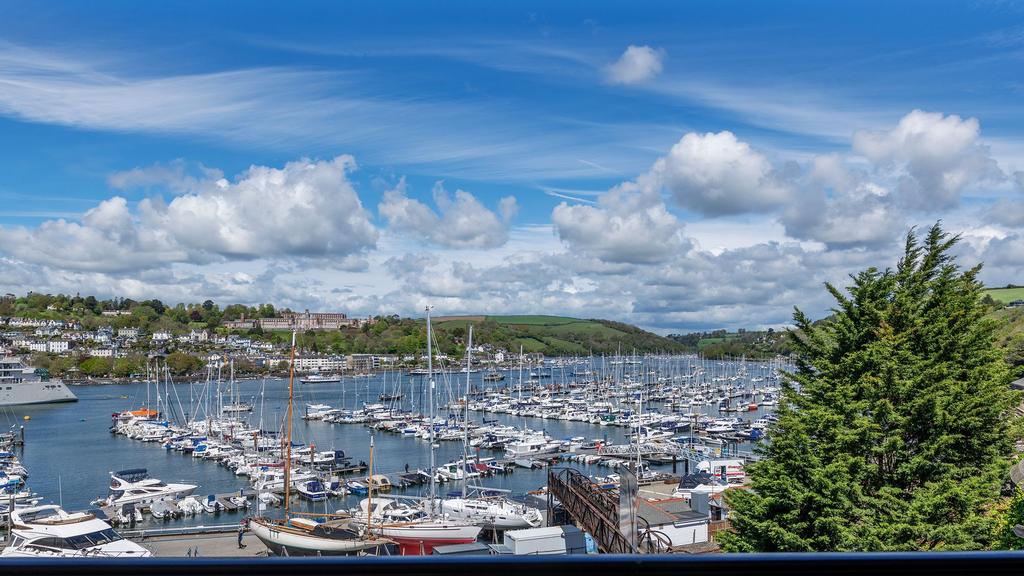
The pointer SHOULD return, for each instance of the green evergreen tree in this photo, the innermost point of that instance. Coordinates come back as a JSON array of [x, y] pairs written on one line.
[[896, 427], [1014, 516]]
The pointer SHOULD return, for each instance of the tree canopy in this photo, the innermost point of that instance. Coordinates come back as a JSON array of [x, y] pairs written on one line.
[[896, 428]]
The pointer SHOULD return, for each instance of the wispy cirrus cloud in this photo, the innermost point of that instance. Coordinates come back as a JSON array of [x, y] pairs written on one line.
[[283, 108]]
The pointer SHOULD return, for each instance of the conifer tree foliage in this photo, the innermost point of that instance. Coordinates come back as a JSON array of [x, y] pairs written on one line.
[[1013, 516], [896, 427]]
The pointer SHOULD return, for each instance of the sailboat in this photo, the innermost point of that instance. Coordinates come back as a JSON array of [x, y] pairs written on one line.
[[417, 531], [488, 509], [299, 536]]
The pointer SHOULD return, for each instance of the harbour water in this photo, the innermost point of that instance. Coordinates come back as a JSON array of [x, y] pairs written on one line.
[[70, 451]]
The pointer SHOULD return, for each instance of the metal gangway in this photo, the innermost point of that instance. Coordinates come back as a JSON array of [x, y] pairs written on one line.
[[592, 508]]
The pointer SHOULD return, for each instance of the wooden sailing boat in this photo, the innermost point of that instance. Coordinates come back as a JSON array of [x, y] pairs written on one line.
[[296, 535]]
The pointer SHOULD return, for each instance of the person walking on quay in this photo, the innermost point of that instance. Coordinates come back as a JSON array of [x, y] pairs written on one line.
[[241, 534]]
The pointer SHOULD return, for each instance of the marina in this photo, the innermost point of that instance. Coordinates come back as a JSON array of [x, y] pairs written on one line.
[[172, 456]]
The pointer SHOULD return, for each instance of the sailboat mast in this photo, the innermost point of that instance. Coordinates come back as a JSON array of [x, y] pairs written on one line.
[[430, 410], [520, 372], [369, 491], [465, 418], [288, 448]]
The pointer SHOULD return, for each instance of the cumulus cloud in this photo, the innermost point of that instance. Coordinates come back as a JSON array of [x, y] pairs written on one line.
[[935, 157], [1006, 251], [630, 224], [717, 174], [305, 209], [842, 208], [649, 235], [1007, 212], [637, 64], [713, 174], [624, 256], [461, 221], [110, 238]]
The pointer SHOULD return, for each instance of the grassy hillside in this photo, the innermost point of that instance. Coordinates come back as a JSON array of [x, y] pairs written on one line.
[[555, 335], [1010, 336], [1006, 295]]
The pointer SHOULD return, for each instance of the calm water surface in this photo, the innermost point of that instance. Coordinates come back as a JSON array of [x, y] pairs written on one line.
[[70, 452]]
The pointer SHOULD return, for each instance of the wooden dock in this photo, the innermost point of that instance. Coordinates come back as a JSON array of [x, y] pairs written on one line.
[[215, 545], [223, 500]]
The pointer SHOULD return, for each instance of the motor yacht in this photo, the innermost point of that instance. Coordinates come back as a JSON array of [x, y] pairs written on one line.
[[136, 487], [50, 532], [535, 445]]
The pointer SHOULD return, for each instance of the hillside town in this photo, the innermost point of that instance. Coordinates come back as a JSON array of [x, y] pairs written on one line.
[[244, 342]]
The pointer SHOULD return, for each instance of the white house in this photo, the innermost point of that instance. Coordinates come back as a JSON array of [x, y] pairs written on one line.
[[102, 352], [22, 343], [128, 332], [162, 336], [57, 346], [321, 364]]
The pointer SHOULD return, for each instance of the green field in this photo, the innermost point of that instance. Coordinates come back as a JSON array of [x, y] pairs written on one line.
[[535, 320], [1005, 295], [560, 334], [717, 340]]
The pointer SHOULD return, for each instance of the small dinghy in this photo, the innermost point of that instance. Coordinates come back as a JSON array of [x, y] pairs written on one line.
[[357, 488], [190, 506], [212, 505], [164, 510]]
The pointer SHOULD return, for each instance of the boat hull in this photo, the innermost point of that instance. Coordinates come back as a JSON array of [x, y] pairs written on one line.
[[287, 541], [420, 539], [26, 393]]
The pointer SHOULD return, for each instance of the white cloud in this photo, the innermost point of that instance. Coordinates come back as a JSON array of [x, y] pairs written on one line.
[[637, 64], [318, 110], [1006, 252], [305, 209], [842, 207], [109, 238], [1008, 212], [460, 222], [508, 208], [647, 235], [717, 174], [174, 176], [630, 224], [934, 157]]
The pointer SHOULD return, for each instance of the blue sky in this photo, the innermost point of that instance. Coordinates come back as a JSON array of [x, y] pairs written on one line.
[[676, 165]]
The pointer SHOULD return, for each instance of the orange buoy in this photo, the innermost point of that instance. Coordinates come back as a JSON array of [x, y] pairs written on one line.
[[27, 418]]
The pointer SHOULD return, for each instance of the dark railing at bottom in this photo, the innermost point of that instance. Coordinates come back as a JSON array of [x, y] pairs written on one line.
[[900, 564]]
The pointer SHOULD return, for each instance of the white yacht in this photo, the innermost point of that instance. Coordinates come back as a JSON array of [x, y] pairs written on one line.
[[494, 513], [50, 532], [320, 379], [535, 445], [136, 487], [20, 385], [272, 480]]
